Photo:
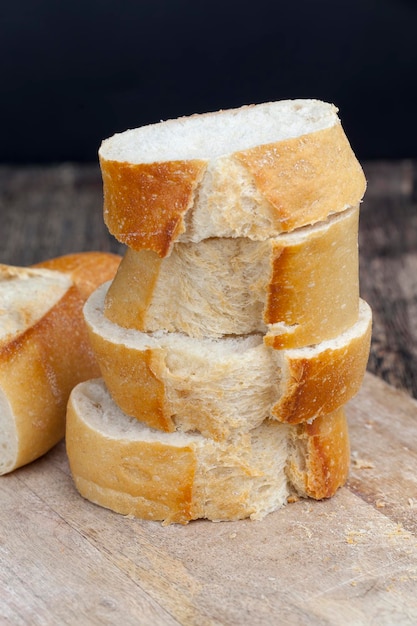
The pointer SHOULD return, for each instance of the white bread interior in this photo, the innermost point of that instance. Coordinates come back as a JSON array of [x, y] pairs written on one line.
[[303, 285], [212, 135], [25, 296], [222, 386], [250, 172], [119, 463]]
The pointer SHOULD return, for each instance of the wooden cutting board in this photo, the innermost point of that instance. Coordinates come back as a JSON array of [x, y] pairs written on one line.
[[351, 560]]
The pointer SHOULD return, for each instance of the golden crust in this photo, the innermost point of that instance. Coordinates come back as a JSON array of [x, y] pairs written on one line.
[[130, 478], [320, 462], [145, 204], [130, 294], [39, 368], [306, 178], [317, 386], [314, 286], [203, 398], [133, 378]]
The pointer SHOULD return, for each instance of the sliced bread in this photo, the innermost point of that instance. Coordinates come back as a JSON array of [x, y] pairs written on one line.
[[172, 381], [253, 172], [302, 286], [121, 464]]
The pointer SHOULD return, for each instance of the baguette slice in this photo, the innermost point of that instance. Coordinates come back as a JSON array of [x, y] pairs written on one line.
[[303, 286], [253, 172], [44, 351], [217, 387], [119, 463]]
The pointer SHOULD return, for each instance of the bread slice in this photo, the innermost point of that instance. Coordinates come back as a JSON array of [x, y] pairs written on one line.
[[218, 387], [253, 172], [302, 286], [119, 463], [44, 352]]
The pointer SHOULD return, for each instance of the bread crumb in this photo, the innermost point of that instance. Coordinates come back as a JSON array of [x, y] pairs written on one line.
[[292, 498], [232, 535], [399, 531], [362, 464], [380, 504]]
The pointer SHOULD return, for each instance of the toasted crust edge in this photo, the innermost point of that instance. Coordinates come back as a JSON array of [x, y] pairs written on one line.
[[145, 204], [105, 471], [313, 291], [308, 177], [318, 386], [320, 459]]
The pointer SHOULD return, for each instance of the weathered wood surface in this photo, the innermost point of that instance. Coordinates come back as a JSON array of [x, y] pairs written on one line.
[[388, 253], [48, 211], [348, 561]]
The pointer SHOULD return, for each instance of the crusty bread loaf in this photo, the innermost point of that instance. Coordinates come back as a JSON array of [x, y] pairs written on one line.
[[251, 172], [222, 386], [44, 351], [302, 286], [119, 463]]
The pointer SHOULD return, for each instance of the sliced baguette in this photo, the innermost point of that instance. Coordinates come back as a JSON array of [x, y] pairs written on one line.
[[171, 381], [119, 463], [44, 351], [302, 286], [250, 172]]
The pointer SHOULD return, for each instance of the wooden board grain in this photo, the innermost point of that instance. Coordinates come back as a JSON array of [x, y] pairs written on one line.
[[351, 560]]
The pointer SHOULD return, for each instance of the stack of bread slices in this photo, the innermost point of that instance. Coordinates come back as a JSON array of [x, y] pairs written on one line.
[[233, 333]]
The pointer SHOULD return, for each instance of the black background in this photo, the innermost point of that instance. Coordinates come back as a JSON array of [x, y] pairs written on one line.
[[73, 73]]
